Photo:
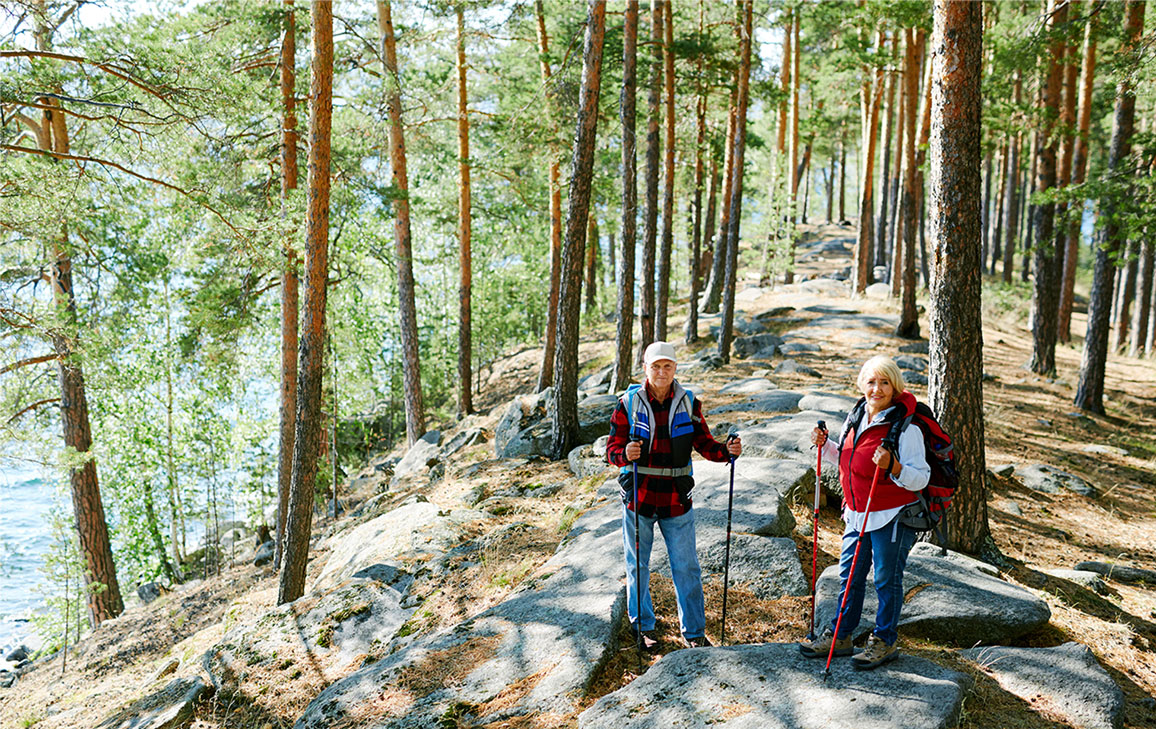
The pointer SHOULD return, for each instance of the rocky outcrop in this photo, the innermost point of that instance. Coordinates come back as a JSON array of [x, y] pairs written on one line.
[[772, 401], [1065, 680], [418, 461], [1119, 572], [951, 599], [525, 429], [773, 686], [169, 708], [532, 655], [1050, 480]]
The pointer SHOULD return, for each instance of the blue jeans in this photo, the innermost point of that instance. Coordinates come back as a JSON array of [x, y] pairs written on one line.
[[678, 532], [887, 547]]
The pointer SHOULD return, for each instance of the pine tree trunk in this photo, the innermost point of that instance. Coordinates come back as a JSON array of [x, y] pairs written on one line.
[[715, 287], [411, 364], [738, 154], [668, 177], [890, 238], [546, 372], [1011, 204], [696, 219], [1064, 173], [830, 190], [1090, 391], [565, 411], [176, 510], [955, 383], [650, 219], [842, 174], [289, 299], [909, 317], [872, 93], [1045, 289], [793, 143], [1030, 216], [307, 442], [1127, 294], [591, 286], [985, 222], [623, 345], [1143, 300], [102, 587], [1079, 170], [996, 234], [880, 256], [465, 259], [710, 234]]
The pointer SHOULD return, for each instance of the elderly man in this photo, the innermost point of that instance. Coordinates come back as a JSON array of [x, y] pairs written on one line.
[[656, 425]]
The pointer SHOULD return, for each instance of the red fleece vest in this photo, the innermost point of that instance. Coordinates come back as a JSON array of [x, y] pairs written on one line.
[[856, 470]]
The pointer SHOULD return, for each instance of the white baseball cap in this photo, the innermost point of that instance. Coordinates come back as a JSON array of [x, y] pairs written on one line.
[[657, 351]]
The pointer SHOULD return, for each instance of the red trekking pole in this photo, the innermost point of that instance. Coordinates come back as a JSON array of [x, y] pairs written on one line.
[[815, 532], [851, 575]]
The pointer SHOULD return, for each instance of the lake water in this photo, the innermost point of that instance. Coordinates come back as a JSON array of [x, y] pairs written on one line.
[[25, 500]]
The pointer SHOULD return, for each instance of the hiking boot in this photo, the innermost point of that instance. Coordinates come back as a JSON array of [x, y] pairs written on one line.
[[699, 642], [821, 646], [875, 654]]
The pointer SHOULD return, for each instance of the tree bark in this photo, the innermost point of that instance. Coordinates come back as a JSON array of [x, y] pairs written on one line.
[[1079, 170], [102, 587], [1045, 289], [663, 274], [793, 143], [546, 373], [738, 154], [955, 382], [996, 233], [890, 239], [696, 233], [1143, 300], [1011, 205], [842, 173], [872, 93], [411, 363], [1030, 215], [565, 411], [289, 299], [650, 221], [715, 287], [591, 286], [880, 256], [623, 360], [1090, 390], [307, 442], [909, 317], [465, 258], [1127, 294], [710, 234]]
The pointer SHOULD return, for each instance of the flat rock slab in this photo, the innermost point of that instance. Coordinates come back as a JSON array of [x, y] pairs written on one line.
[[854, 321], [829, 403], [531, 655], [788, 349], [413, 530], [1084, 578], [788, 436], [748, 386], [1119, 572], [953, 599], [1050, 480], [1067, 678], [772, 686], [774, 401], [791, 367], [169, 708]]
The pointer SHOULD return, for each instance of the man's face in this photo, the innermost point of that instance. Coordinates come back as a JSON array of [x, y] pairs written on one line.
[[660, 373]]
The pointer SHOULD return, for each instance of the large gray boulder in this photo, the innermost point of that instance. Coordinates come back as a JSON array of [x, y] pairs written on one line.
[[1051, 480], [787, 436], [773, 401], [421, 456], [169, 708], [772, 686], [415, 530], [1119, 572], [748, 346], [748, 386], [1066, 678], [951, 599], [334, 630], [525, 430], [536, 652], [838, 405]]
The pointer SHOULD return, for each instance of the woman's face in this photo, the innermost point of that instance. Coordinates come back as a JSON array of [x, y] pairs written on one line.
[[878, 391]]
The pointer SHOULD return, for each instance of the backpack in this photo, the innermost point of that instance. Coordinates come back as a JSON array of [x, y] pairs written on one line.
[[927, 514]]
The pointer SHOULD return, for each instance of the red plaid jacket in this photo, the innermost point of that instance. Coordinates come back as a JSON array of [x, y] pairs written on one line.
[[657, 495]]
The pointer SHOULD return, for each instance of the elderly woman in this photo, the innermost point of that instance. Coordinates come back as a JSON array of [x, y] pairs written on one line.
[[861, 451]]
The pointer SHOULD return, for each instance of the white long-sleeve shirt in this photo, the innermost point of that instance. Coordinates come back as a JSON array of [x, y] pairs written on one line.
[[913, 476]]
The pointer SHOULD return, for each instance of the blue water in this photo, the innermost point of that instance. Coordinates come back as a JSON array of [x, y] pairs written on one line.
[[25, 500]]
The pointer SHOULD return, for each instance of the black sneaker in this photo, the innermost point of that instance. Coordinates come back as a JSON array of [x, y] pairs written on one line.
[[648, 641], [699, 642]]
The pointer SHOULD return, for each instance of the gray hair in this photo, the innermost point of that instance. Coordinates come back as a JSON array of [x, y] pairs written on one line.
[[885, 366]]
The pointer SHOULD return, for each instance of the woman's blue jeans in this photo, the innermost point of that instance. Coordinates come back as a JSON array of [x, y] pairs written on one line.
[[678, 532], [886, 548]]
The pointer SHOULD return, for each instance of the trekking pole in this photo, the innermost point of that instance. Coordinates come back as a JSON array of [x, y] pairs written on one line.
[[727, 558], [851, 574], [637, 571], [815, 532]]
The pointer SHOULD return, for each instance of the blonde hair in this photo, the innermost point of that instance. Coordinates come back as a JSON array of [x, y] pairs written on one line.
[[885, 366]]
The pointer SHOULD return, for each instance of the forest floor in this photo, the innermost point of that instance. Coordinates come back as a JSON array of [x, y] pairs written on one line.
[[1028, 419]]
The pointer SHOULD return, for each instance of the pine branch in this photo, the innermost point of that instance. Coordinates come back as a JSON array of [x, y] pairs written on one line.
[[106, 67], [28, 362], [33, 406]]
